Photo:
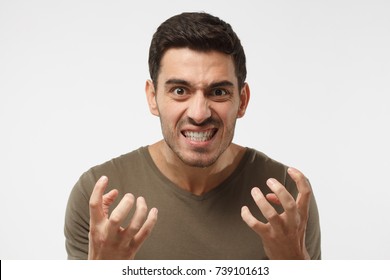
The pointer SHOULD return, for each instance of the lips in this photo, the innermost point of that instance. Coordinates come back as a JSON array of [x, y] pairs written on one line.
[[199, 136]]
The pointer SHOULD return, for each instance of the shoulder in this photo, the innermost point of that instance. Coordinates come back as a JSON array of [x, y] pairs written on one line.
[[116, 169], [121, 163], [263, 162], [257, 168]]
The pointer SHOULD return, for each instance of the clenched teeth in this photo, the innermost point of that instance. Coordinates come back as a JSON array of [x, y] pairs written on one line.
[[199, 136]]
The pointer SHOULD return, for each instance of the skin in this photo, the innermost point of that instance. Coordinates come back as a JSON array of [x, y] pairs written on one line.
[[283, 236], [198, 94], [107, 239]]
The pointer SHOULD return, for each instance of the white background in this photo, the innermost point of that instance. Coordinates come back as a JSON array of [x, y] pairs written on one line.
[[72, 77]]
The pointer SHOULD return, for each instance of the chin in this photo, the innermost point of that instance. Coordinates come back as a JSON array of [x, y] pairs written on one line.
[[198, 160]]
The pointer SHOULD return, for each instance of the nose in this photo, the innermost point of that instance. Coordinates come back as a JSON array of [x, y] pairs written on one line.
[[198, 108]]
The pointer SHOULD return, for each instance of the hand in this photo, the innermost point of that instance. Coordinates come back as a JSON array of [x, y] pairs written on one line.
[[107, 239], [284, 235]]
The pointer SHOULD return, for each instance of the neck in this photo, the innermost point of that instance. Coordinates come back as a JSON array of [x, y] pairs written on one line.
[[195, 179]]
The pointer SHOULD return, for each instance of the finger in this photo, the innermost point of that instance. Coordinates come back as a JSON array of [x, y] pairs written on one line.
[[273, 198], [96, 201], [252, 222], [266, 208], [108, 199], [120, 213], [304, 190], [138, 218], [145, 230], [287, 201]]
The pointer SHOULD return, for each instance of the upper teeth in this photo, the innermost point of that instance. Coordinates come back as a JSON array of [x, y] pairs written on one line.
[[199, 135]]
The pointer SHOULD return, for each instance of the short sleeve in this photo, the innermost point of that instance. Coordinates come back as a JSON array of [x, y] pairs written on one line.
[[76, 227]]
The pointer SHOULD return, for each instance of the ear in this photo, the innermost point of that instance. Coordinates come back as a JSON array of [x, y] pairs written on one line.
[[244, 100], [151, 97]]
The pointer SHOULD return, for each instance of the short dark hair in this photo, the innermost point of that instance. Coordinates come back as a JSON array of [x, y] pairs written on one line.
[[197, 31]]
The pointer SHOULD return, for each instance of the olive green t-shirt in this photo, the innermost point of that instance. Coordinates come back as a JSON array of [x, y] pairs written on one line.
[[189, 226]]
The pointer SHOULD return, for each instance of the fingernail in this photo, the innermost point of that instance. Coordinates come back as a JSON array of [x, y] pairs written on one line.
[[103, 179], [271, 182], [256, 192]]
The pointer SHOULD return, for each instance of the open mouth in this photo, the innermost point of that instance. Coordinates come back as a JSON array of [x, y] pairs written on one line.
[[200, 136]]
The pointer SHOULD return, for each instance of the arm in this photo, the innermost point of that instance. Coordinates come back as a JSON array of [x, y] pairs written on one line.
[[283, 235], [107, 238]]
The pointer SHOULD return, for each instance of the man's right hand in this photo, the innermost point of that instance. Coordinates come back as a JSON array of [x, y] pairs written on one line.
[[107, 238]]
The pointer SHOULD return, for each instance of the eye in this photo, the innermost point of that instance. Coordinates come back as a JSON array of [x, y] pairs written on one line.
[[179, 91], [219, 92]]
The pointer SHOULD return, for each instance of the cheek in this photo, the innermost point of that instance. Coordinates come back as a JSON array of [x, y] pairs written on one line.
[[170, 115], [228, 114]]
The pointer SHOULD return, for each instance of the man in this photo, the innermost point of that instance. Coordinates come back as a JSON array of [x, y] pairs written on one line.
[[215, 199]]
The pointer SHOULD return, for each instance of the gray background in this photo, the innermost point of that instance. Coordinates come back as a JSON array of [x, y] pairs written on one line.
[[72, 77]]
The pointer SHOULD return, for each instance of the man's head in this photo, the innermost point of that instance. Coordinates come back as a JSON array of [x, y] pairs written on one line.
[[198, 88], [200, 32]]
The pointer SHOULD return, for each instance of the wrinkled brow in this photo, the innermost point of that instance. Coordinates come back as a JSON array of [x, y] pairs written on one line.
[[186, 83]]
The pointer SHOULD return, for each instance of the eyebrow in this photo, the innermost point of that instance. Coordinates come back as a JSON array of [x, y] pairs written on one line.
[[224, 83], [177, 81]]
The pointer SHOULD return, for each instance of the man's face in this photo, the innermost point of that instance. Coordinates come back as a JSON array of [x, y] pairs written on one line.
[[198, 101]]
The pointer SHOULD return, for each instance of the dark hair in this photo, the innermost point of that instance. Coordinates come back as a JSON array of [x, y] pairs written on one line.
[[197, 31]]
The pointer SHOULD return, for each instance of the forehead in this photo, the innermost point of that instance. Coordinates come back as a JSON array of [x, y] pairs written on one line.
[[197, 67]]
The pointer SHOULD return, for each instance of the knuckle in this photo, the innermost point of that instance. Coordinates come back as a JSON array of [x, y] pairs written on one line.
[[290, 206], [146, 232], [252, 223], [114, 219], [300, 175], [93, 231], [135, 227], [96, 236], [307, 191], [102, 240], [274, 216], [93, 204], [142, 207], [304, 180]]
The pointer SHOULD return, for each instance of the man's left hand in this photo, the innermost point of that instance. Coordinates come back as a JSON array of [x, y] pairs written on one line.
[[283, 235]]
